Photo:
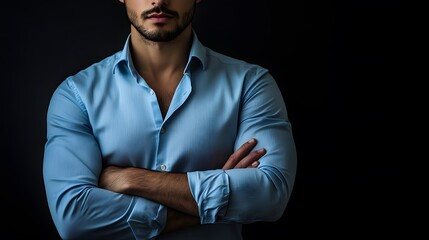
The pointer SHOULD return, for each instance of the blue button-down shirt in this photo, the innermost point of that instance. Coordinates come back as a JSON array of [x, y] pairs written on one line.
[[107, 114]]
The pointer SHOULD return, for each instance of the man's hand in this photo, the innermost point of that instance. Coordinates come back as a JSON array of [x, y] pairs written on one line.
[[243, 158]]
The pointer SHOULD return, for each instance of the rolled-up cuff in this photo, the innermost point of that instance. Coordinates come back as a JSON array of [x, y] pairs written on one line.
[[147, 218], [210, 190]]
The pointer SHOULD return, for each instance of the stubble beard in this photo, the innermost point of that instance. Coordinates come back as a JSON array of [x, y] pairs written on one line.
[[160, 35]]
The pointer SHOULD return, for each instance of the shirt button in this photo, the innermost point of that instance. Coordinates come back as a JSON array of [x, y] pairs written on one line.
[[152, 92], [162, 130], [163, 167]]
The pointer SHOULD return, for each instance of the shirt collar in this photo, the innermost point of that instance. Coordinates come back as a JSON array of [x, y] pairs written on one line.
[[197, 53]]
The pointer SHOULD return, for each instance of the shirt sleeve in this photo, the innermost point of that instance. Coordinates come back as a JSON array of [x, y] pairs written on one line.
[[252, 194], [71, 167]]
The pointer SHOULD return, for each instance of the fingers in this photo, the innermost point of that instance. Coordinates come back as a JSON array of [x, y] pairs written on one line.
[[251, 160], [239, 154], [254, 164], [243, 157]]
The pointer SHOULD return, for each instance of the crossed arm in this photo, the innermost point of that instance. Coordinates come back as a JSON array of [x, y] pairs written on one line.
[[143, 203], [171, 189]]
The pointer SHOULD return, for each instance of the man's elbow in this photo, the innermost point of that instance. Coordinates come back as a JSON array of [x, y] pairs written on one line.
[[278, 192], [275, 210], [69, 229]]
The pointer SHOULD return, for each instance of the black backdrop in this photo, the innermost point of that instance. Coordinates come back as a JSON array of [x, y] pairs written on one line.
[[335, 61]]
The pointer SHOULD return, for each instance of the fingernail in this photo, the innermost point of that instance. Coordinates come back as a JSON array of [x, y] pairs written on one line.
[[255, 164], [252, 140], [261, 150]]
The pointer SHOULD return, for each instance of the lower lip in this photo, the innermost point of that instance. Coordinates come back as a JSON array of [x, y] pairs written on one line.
[[159, 20]]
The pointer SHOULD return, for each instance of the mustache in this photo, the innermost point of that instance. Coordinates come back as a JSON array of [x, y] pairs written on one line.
[[159, 9]]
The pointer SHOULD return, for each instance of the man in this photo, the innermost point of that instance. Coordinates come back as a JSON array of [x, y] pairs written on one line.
[[167, 139]]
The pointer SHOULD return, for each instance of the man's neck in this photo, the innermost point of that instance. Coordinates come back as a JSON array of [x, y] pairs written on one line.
[[153, 58]]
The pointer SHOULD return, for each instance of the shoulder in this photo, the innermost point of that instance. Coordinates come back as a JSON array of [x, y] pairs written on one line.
[[88, 80], [217, 61], [98, 70], [93, 75], [237, 72]]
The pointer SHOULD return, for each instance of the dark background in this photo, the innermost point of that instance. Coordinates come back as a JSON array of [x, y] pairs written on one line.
[[338, 64]]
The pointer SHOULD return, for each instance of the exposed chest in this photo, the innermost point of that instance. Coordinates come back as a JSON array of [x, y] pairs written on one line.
[[164, 90]]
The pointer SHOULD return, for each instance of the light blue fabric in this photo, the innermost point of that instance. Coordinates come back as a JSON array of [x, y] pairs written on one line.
[[107, 114]]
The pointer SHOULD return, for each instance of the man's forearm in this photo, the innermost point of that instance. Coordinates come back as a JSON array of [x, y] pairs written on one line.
[[169, 189]]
